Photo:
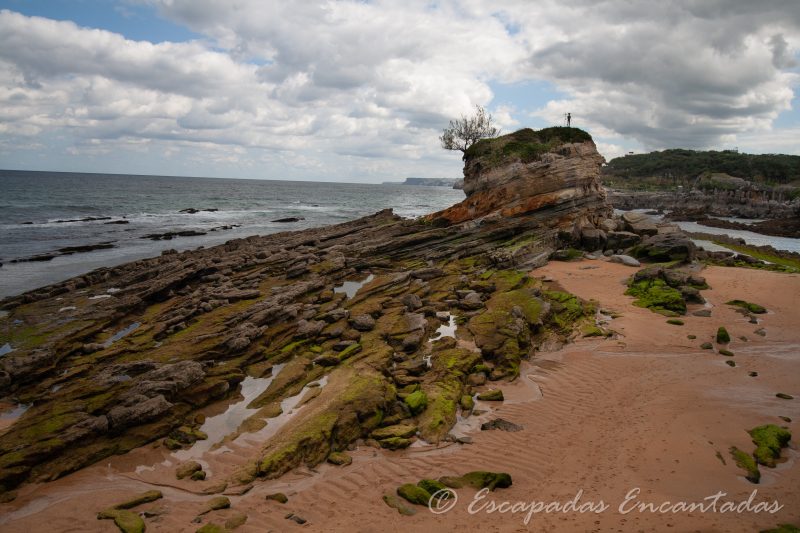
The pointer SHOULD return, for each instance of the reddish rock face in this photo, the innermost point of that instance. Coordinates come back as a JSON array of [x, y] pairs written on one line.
[[524, 172]]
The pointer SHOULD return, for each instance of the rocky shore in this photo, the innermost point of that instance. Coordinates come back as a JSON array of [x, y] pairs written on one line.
[[779, 212], [384, 330]]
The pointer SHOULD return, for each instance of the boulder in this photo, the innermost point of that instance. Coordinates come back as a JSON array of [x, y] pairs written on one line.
[[412, 302], [188, 469], [142, 410], [639, 223], [666, 247], [363, 323], [620, 240], [593, 239], [309, 329], [494, 395], [398, 430], [625, 260], [471, 301]]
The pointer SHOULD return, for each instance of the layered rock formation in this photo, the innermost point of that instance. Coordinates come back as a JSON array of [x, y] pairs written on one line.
[[122, 356], [552, 174]]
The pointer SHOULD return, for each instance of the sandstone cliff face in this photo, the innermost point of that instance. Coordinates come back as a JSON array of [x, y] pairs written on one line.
[[552, 175]]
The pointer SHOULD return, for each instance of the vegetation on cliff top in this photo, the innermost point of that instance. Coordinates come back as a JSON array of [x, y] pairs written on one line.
[[527, 145]]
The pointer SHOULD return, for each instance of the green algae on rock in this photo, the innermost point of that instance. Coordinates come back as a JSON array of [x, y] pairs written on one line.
[[769, 440], [747, 306], [215, 504], [723, 337], [478, 480], [746, 462], [417, 401], [494, 395], [435, 488], [414, 494], [146, 497], [396, 503], [339, 459], [126, 521], [278, 497]]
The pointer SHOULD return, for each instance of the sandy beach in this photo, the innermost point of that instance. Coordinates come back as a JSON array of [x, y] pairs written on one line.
[[646, 409]]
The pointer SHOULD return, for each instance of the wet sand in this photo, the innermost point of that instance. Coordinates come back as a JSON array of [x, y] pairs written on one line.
[[648, 409]]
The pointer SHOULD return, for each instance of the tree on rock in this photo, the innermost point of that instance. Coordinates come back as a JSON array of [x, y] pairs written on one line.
[[463, 133]]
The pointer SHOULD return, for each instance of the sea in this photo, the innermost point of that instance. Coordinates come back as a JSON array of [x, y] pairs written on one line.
[[43, 212]]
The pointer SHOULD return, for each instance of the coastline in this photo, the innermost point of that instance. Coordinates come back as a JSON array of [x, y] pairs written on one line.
[[649, 409], [343, 364]]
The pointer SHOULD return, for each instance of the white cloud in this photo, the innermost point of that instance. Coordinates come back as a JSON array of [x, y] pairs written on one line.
[[350, 89]]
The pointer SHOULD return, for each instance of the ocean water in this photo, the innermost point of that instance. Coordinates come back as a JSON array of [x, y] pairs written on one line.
[[35, 205]]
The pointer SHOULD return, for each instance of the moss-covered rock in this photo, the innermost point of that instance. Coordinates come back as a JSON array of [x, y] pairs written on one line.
[[352, 414], [591, 330], [278, 497], [494, 395], [339, 459], [397, 430], [396, 503], [467, 402], [414, 494], [675, 322], [215, 504], [235, 520], [769, 439], [748, 306], [726, 353], [657, 295], [433, 487], [730, 363], [478, 480], [395, 443], [126, 521], [211, 528], [746, 462], [707, 346], [187, 469], [723, 337], [565, 309], [146, 497], [417, 401]]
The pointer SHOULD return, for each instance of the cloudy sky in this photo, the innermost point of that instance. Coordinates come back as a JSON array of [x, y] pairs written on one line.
[[360, 90]]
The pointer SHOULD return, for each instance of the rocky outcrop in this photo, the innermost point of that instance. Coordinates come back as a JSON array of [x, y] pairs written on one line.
[[744, 202], [551, 174]]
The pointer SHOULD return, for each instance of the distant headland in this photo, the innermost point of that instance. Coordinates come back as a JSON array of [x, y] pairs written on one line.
[[455, 183]]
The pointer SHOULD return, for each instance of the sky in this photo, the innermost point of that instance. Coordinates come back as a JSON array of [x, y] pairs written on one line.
[[359, 91]]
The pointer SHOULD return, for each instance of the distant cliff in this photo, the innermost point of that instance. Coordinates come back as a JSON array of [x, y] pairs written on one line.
[[427, 182]]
